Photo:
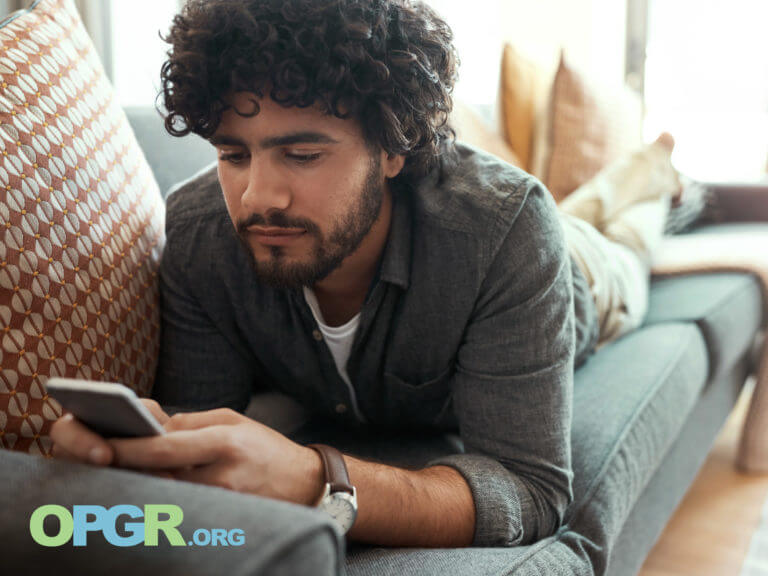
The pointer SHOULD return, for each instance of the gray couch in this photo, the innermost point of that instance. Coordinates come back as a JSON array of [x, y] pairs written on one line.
[[646, 412], [647, 409]]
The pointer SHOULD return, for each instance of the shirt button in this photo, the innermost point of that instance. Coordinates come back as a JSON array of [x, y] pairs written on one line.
[[341, 408], [317, 335]]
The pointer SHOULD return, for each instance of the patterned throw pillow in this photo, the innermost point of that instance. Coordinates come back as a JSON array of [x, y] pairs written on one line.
[[588, 128], [81, 226]]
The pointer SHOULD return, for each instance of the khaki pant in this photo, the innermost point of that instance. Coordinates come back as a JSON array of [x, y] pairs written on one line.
[[613, 225]]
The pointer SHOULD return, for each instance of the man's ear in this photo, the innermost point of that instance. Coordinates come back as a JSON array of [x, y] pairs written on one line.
[[393, 164]]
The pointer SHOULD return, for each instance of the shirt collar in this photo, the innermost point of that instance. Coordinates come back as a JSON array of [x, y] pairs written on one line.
[[398, 253], [396, 261]]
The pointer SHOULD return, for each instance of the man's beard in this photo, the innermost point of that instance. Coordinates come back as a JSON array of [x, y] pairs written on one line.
[[327, 254]]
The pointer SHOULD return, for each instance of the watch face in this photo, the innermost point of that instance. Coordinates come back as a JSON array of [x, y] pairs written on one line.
[[342, 507]]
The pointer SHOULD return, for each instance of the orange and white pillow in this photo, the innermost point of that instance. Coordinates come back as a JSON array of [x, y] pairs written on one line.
[[81, 226]]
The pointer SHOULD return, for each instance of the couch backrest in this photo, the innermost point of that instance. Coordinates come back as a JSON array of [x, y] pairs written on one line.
[[172, 159]]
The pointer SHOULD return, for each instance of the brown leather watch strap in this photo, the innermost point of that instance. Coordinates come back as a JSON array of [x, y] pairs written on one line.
[[335, 469]]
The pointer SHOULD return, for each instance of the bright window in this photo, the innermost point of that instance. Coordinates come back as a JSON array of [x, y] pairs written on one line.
[[706, 82]]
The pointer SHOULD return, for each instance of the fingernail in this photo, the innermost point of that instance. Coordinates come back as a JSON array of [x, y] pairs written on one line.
[[97, 455]]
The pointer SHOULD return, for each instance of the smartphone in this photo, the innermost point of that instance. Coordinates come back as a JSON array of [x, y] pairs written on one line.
[[109, 409]]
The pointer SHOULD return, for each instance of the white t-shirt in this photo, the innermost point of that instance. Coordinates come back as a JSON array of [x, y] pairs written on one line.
[[339, 340]]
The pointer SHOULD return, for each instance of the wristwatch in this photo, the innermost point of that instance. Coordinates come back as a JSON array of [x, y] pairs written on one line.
[[339, 498]]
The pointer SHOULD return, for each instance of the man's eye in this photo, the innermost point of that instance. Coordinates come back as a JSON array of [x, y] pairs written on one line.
[[235, 158], [302, 158]]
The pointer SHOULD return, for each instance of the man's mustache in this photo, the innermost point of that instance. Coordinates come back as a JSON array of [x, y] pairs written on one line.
[[277, 220]]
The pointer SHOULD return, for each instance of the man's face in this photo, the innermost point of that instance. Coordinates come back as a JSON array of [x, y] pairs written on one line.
[[302, 188]]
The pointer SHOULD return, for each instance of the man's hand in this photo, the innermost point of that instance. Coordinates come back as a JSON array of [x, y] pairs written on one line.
[[217, 447], [73, 440]]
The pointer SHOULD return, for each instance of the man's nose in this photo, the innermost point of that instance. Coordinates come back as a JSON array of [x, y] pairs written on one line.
[[266, 190]]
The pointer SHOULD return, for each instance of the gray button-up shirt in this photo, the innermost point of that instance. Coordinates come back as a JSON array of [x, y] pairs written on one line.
[[470, 323]]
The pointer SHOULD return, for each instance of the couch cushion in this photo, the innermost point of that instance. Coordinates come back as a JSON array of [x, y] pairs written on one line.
[[726, 307], [524, 85], [82, 223], [172, 159], [280, 538], [548, 556], [472, 129], [630, 401], [588, 127]]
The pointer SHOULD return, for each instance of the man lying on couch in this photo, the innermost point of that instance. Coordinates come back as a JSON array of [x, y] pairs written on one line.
[[350, 253]]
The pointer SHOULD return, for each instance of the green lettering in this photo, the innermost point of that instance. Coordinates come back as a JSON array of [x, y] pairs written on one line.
[[66, 525], [153, 524]]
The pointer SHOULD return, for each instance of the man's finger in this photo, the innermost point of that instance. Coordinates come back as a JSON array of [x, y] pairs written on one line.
[[172, 450], [156, 410], [196, 420], [79, 441]]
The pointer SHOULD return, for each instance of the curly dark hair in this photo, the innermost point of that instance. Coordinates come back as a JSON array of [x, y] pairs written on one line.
[[389, 64]]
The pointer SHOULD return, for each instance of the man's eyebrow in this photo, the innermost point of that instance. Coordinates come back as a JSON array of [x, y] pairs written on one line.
[[277, 141], [225, 141], [297, 138]]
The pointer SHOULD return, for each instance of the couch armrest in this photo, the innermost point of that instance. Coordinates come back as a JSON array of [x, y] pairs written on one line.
[[279, 538], [741, 202]]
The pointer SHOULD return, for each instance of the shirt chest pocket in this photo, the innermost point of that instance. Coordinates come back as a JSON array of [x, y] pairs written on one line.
[[408, 404]]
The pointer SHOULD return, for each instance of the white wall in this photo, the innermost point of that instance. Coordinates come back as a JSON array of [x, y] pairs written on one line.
[[592, 32]]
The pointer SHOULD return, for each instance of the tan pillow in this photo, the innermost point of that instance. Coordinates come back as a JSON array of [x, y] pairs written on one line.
[[646, 174], [472, 129], [524, 86], [82, 226], [588, 126]]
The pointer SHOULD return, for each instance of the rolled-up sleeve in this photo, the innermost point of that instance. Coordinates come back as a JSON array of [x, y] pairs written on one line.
[[513, 385]]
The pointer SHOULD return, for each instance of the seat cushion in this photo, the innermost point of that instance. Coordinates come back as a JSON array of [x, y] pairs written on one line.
[[726, 307], [548, 556], [630, 401]]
